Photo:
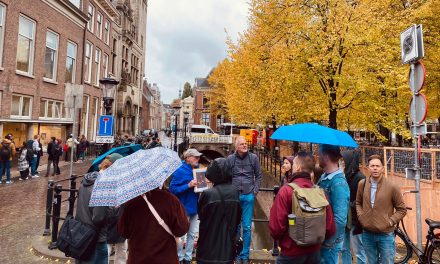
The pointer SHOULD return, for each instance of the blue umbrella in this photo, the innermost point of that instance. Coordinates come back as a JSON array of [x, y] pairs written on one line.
[[124, 151], [134, 175], [314, 133]]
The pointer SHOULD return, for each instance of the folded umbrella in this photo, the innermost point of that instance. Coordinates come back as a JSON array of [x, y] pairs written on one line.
[[134, 175], [314, 133]]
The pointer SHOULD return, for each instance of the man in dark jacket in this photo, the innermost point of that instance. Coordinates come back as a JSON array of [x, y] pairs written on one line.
[[52, 152], [302, 166], [182, 185], [93, 216], [246, 177], [353, 231], [219, 214]]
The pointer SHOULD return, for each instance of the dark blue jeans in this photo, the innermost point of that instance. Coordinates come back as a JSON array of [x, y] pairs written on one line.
[[312, 258], [5, 165], [100, 256]]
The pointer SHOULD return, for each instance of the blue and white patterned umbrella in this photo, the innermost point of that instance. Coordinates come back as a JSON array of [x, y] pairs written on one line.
[[134, 175]]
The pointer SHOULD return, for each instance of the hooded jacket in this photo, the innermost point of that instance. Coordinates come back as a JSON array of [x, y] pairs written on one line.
[[353, 176], [92, 216], [179, 187], [6, 142], [282, 207], [218, 220]]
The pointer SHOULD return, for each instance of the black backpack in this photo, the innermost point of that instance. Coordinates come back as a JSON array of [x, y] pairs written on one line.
[[5, 152], [29, 155], [77, 239]]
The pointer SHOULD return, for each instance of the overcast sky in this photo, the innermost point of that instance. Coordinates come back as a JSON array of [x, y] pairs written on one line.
[[186, 39]]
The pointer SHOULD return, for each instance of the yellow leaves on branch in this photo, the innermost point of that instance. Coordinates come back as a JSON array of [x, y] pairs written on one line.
[[336, 61]]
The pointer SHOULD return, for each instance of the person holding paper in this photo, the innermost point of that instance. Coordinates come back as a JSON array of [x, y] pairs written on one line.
[[182, 186]]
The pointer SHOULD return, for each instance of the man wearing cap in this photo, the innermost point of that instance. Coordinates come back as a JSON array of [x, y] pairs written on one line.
[[338, 194], [246, 177], [182, 185]]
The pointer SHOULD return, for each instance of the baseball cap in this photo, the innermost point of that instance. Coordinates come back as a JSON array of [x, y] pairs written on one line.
[[191, 153]]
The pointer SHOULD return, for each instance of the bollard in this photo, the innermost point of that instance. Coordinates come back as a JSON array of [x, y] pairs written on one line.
[[275, 250], [49, 201], [72, 194], [56, 216]]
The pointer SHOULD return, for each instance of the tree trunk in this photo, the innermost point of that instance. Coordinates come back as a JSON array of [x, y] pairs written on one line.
[[332, 118]]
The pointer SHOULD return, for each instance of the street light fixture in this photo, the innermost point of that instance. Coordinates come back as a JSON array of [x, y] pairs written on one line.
[[176, 108], [108, 86]]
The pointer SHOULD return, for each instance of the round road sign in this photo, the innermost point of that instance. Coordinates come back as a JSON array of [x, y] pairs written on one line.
[[421, 108], [419, 77]]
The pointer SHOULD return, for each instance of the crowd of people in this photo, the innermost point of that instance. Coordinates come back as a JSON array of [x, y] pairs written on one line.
[[30, 152], [325, 208]]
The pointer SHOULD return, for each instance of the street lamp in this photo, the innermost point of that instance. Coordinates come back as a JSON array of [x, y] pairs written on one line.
[[108, 86], [176, 108], [185, 122]]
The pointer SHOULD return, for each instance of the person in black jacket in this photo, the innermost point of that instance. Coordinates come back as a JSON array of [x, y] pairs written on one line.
[[353, 231], [219, 213], [52, 152], [93, 216]]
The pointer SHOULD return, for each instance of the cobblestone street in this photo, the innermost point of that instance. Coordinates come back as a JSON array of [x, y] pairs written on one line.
[[22, 215]]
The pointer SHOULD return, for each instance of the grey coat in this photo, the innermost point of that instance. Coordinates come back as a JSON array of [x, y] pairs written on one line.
[[246, 172], [92, 216]]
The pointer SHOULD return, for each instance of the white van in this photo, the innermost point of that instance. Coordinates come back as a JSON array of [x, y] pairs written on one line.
[[201, 129]]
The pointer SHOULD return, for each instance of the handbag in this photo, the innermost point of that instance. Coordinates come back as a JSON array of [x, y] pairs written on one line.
[[237, 241], [159, 219], [77, 239]]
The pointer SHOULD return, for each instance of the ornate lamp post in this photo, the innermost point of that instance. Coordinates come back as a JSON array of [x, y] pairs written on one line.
[[176, 108], [185, 123], [108, 87]]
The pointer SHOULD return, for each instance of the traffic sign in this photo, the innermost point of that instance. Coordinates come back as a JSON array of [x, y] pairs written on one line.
[[419, 77], [105, 139], [420, 108], [411, 44], [105, 125]]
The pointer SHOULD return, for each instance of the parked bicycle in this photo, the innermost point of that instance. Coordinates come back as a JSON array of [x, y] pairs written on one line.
[[405, 247]]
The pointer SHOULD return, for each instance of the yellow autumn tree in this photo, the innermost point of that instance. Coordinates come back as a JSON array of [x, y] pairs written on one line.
[[336, 61]]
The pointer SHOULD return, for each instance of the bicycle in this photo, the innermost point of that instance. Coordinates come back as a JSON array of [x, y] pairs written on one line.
[[431, 253]]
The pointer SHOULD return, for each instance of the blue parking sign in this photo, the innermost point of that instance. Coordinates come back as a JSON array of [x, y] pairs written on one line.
[[105, 125]]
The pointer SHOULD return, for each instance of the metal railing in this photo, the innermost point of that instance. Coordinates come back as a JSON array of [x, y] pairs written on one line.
[[53, 206]]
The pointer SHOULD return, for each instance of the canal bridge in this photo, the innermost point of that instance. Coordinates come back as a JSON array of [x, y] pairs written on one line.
[[212, 146]]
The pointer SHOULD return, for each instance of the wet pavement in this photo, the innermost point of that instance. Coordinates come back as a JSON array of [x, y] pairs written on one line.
[[22, 215]]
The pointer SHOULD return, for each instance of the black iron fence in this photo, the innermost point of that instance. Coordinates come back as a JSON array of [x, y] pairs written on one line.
[[53, 205]]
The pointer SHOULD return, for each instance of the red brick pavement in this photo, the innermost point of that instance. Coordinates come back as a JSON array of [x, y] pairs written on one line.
[[22, 207]]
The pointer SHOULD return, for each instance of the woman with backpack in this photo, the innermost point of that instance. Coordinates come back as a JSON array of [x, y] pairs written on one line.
[[23, 163]]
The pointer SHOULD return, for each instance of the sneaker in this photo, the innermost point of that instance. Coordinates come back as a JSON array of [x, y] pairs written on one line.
[[35, 176], [20, 179], [9, 182]]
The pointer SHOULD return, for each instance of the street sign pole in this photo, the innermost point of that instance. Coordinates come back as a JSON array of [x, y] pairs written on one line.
[[73, 136], [416, 162]]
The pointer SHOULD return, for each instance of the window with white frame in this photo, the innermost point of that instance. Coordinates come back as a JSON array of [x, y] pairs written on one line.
[[51, 109], [99, 25], [25, 45], [97, 65], [91, 15], [107, 32], [76, 3], [105, 64], [70, 62], [21, 106], [51, 56], [88, 62], [205, 119], [2, 31]]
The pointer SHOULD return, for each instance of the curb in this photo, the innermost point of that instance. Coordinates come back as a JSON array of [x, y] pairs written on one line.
[[40, 248]]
